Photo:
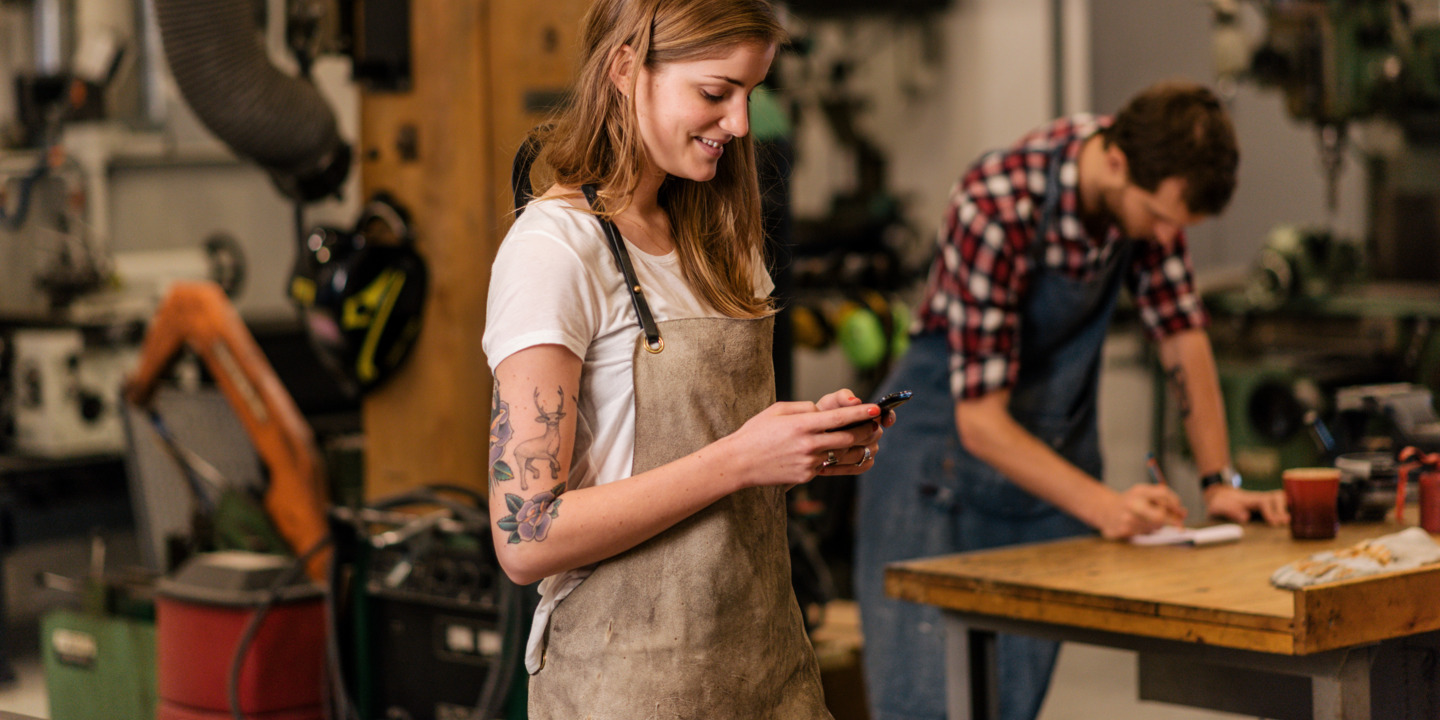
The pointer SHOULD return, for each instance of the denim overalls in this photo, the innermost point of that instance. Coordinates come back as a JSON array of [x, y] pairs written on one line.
[[927, 496]]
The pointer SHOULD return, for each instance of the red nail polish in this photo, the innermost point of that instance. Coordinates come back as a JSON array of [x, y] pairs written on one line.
[[873, 410]]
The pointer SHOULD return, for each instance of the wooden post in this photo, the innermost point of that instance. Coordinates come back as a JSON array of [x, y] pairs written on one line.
[[443, 150]]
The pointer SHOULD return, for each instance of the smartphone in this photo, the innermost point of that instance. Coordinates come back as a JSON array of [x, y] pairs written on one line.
[[889, 402]]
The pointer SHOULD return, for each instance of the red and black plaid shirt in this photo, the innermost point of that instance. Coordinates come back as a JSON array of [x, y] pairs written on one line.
[[983, 258]]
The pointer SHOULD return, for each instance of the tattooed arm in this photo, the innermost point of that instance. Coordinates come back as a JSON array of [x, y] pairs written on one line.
[[540, 528], [1194, 385], [1189, 366]]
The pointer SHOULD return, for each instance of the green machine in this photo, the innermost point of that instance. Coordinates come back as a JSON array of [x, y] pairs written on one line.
[[1265, 419], [1303, 328], [99, 658], [1343, 61]]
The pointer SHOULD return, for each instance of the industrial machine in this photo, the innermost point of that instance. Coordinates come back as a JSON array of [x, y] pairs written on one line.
[[1321, 319], [99, 655], [67, 393], [1343, 64], [197, 316], [428, 627]]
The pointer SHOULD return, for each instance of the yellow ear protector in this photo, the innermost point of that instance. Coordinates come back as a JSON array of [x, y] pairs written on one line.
[[361, 294], [812, 329]]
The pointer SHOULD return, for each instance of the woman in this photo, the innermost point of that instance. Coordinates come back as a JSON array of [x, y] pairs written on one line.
[[639, 463]]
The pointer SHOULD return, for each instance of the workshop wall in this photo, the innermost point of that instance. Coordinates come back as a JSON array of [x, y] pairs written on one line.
[[940, 90], [936, 92]]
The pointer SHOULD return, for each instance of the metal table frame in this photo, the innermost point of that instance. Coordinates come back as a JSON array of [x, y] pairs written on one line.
[[1392, 679]]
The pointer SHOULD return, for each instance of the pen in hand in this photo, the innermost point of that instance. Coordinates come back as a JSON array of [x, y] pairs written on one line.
[[1152, 467]]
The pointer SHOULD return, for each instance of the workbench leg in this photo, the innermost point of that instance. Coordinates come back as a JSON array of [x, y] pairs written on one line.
[[1345, 696], [7, 671], [972, 688]]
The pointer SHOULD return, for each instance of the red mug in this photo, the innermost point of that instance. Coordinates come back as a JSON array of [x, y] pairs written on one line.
[[1311, 494]]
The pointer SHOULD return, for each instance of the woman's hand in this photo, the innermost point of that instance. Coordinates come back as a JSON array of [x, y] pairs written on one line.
[[860, 457], [789, 443]]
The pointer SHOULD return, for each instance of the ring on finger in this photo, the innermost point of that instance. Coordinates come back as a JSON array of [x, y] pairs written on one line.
[[830, 459], [865, 458]]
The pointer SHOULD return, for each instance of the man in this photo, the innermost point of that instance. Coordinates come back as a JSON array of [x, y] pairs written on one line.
[[1000, 444]]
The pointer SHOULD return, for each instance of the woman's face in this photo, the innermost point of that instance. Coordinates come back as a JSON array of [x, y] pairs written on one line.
[[689, 111]]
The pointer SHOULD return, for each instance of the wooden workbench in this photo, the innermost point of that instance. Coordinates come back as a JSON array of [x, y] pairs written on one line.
[[1211, 605]]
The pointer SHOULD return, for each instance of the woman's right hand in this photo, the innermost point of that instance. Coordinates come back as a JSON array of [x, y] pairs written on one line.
[[788, 442]]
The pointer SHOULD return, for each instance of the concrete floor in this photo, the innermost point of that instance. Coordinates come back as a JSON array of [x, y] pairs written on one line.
[[1090, 683]]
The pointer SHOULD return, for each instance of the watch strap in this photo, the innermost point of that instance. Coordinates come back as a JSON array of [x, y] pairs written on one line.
[[1228, 476]]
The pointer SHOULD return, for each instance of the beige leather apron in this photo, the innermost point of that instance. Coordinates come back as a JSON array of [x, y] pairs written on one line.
[[700, 621]]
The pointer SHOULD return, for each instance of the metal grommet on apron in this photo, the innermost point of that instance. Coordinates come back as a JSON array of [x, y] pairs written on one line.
[[701, 620]]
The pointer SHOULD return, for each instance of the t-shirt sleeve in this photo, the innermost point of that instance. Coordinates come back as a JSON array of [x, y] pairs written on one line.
[[764, 284], [541, 293]]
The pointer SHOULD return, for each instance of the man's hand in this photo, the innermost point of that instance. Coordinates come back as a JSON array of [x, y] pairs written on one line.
[[1139, 510], [1234, 504]]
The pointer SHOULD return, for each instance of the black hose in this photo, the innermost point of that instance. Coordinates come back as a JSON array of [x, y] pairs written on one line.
[[257, 618], [217, 55]]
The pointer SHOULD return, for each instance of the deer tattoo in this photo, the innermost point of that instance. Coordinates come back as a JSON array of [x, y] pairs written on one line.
[[545, 448]]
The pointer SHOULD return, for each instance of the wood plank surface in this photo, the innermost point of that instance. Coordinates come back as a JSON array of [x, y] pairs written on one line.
[[428, 424], [1218, 594], [532, 60], [1367, 610], [478, 67]]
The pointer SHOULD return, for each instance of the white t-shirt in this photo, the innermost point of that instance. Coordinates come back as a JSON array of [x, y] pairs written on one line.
[[554, 282]]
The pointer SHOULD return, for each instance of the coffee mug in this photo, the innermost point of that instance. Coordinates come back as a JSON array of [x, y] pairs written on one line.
[[1311, 494]]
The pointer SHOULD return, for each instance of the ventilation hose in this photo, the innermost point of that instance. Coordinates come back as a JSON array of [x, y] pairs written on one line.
[[217, 55]]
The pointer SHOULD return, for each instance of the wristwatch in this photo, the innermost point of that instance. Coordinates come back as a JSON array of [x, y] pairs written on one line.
[[1226, 476]]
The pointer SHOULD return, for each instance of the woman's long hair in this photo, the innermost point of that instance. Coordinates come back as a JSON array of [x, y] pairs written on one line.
[[595, 139]]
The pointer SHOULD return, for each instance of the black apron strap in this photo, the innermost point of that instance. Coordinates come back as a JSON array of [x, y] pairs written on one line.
[[653, 342], [1051, 209], [520, 173]]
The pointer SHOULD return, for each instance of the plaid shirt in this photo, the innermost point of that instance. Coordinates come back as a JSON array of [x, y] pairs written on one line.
[[983, 258]]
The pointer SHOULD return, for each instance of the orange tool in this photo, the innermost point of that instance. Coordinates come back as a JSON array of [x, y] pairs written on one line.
[[198, 315]]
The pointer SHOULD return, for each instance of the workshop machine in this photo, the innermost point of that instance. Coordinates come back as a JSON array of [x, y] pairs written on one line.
[[426, 625], [1347, 63], [1321, 319], [99, 653], [197, 316]]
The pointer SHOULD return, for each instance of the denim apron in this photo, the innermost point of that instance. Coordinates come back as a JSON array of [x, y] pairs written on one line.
[[928, 496], [701, 620]]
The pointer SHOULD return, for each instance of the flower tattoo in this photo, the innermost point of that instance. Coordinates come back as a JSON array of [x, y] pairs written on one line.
[[529, 520], [500, 434]]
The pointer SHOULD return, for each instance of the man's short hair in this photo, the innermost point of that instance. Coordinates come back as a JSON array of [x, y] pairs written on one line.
[[1179, 129]]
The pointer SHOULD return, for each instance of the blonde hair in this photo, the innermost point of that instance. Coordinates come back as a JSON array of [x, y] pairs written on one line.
[[595, 139]]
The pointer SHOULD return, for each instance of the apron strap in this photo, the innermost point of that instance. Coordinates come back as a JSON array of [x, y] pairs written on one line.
[[653, 342], [1051, 207], [520, 172]]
